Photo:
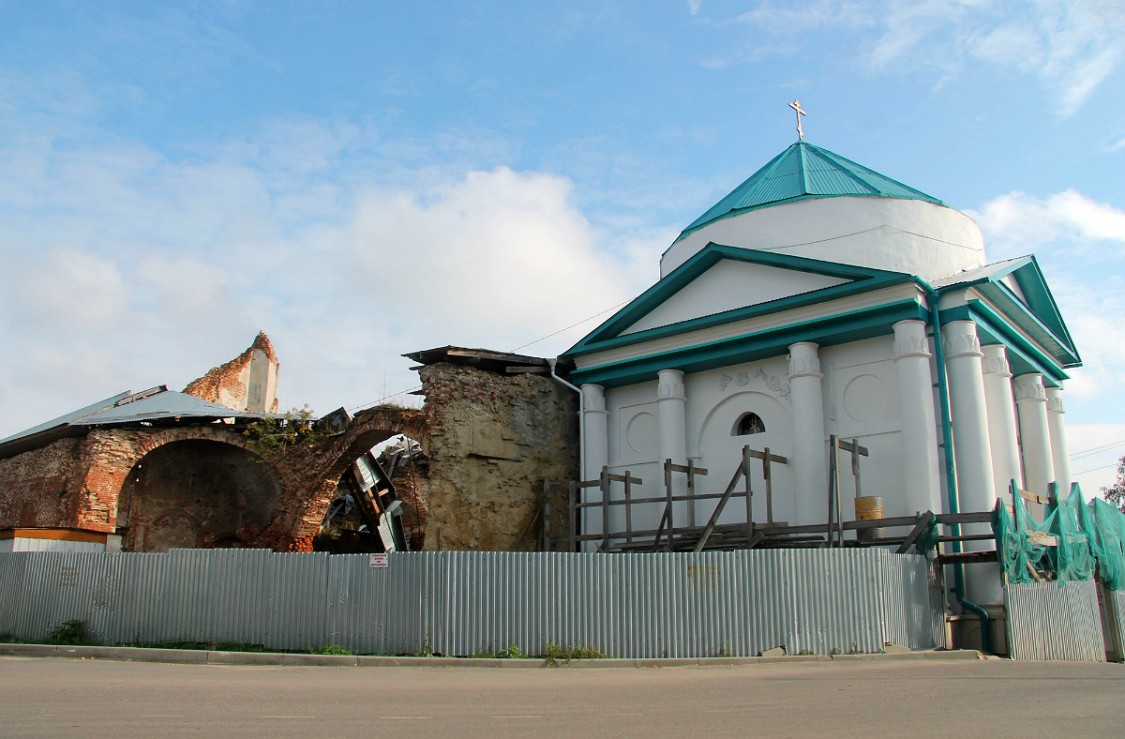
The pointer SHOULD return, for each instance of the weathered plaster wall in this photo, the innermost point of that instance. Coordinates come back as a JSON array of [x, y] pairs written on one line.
[[493, 439], [248, 382]]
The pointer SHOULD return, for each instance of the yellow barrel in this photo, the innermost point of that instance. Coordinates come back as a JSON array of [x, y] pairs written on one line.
[[869, 508]]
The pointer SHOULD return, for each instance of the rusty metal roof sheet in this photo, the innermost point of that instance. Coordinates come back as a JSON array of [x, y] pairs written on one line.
[[503, 362], [156, 404]]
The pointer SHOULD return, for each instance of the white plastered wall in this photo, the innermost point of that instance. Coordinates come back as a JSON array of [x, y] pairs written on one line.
[[911, 236], [861, 401], [731, 284], [634, 445], [717, 399]]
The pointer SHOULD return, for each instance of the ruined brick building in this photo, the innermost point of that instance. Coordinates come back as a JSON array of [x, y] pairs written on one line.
[[159, 469]]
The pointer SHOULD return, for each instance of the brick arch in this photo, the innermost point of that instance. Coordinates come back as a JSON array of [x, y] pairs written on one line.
[[196, 489], [111, 454], [307, 475], [373, 426], [311, 475]]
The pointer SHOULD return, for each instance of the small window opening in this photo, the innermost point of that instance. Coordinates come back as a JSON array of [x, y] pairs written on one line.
[[749, 423]]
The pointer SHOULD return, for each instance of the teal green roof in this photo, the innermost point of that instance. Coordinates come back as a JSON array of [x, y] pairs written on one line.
[[804, 171]]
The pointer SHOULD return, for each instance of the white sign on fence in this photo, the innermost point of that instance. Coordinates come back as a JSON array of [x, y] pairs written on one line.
[[378, 560]]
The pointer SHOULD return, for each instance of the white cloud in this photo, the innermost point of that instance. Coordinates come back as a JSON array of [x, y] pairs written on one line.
[[1017, 223], [124, 269], [481, 247], [1095, 449], [1080, 244], [1072, 47], [796, 18]]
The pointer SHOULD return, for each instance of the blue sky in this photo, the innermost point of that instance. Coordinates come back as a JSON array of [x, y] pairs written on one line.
[[363, 179]]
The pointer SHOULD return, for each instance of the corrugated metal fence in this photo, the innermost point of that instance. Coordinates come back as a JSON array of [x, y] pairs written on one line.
[[1114, 623], [464, 603], [1051, 621]]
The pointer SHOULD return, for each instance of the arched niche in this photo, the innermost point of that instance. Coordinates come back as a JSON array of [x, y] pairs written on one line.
[[719, 448], [196, 493]]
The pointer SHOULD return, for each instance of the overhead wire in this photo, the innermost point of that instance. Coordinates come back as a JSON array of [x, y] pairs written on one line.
[[573, 325], [415, 388], [1094, 450]]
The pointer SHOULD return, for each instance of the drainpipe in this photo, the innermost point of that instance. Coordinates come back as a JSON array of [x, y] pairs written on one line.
[[951, 467], [581, 432]]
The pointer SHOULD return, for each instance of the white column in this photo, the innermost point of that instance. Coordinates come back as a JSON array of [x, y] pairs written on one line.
[[1038, 465], [921, 489], [595, 454], [971, 450], [810, 454], [1056, 425], [1001, 419], [595, 431], [671, 408]]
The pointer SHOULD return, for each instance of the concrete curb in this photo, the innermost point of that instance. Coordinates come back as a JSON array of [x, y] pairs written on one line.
[[289, 659]]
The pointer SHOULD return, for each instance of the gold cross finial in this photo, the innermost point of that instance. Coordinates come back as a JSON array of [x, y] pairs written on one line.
[[796, 106]]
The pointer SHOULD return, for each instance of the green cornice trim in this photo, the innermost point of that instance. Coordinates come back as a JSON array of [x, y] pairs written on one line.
[[1018, 312], [609, 336], [1042, 303], [838, 329]]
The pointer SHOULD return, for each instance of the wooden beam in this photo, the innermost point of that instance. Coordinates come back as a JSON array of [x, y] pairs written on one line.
[[982, 517], [988, 555], [687, 468], [718, 511], [924, 523]]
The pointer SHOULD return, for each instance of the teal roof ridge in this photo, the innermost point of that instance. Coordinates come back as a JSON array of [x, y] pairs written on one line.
[[804, 171]]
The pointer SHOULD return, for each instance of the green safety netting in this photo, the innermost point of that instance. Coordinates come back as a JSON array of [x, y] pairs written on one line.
[[1105, 526], [1058, 548], [928, 541]]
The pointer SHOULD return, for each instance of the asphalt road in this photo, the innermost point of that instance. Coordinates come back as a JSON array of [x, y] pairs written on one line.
[[63, 697]]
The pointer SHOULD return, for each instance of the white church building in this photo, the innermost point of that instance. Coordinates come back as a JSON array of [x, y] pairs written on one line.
[[822, 298]]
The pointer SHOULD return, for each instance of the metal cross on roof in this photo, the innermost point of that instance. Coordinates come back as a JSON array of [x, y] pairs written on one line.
[[796, 105]]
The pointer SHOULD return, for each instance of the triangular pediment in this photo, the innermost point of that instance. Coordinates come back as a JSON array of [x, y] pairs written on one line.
[[725, 283], [1018, 289], [731, 284]]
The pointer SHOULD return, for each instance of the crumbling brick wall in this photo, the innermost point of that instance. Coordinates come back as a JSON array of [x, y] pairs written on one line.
[[246, 383], [493, 438], [40, 487], [210, 485], [412, 486]]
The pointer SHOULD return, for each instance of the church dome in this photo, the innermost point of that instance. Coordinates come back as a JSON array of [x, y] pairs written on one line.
[[810, 202]]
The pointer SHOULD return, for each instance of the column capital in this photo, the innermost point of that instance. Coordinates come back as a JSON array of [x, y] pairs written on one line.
[[996, 360], [593, 399], [1055, 401], [804, 360], [670, 385], [961, 340], [1029, 387], [910, 339]]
